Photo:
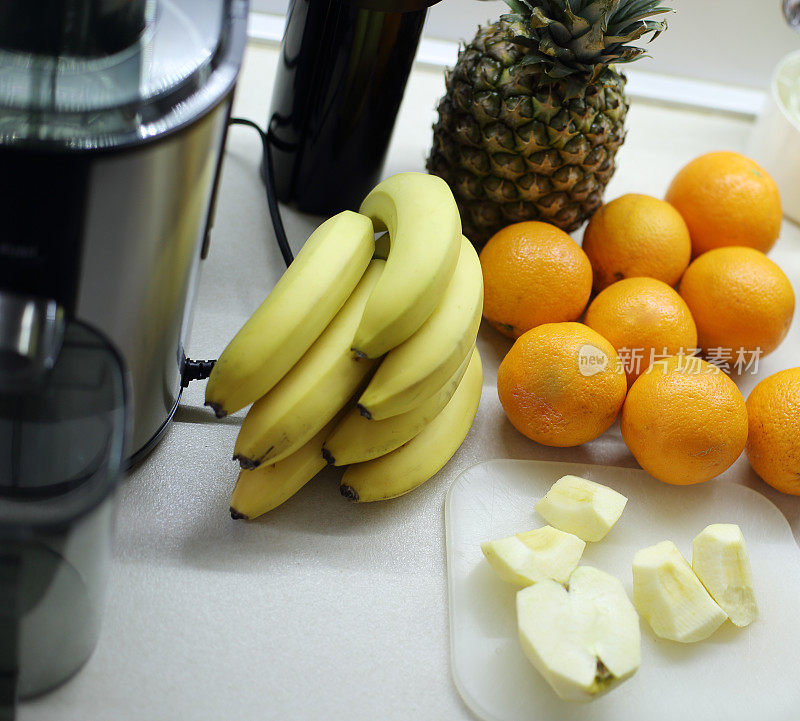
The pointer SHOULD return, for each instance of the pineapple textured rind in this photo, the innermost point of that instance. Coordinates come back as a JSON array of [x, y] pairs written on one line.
[[534, 113]]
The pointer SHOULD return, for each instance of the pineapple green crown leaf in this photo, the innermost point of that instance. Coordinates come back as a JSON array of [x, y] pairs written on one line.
[[582, 37]]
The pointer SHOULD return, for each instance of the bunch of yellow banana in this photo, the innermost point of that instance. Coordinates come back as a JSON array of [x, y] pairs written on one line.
[[360, 356]]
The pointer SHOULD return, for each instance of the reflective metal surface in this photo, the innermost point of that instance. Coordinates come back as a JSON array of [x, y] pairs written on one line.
[[31, 332], [109, 165], [141, 251]]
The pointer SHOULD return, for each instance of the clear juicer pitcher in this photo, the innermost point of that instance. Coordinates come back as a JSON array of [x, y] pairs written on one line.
[[62, 444]]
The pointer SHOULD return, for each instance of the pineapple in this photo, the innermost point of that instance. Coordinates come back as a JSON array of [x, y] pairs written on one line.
[[535, 112]]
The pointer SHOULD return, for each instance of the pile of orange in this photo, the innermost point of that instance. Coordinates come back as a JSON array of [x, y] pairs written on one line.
[[637, 236], [773, 412], [727, 199], [643, 318], [533, 273], [561, 384], [675, 280]]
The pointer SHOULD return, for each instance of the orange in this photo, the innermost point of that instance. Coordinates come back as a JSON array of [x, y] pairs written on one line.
[[740, 300], [644, 319], [727, 199], [684, 420], [773, 446], [533, 273], [637, 235], [561, 384]]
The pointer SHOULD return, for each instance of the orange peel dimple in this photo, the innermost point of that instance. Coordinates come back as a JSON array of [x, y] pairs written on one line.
[[685, 423], [545, 393], [533, 273]]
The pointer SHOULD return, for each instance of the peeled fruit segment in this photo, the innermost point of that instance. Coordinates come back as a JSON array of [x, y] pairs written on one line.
[[584, 639], [582, 507], [721, 562], [668, 594], [544, 553]]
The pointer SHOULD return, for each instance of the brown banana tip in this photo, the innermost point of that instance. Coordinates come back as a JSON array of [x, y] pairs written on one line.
[[246, 464], [350, 493], [358, 353], [219, 411], [237, 516], [364, 412], [328, 456]]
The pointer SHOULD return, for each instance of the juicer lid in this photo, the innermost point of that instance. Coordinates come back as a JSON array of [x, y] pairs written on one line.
[[113, 74]]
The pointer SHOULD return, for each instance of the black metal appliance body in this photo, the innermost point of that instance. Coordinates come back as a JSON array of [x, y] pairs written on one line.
[[113, 117], [341, 77]]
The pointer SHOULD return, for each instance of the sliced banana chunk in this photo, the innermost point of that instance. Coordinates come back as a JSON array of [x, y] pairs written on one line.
[[668, 594], [582, 507], [529, 557], [721, 562], [583, 639]]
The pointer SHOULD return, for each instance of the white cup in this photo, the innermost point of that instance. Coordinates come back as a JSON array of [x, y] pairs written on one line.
[[775, 139]]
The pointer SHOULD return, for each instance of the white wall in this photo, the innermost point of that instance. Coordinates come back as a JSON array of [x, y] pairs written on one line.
[[736, 42]]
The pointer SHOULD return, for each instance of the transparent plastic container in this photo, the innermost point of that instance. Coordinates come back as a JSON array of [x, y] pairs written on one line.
[[62, 442], [107, 74]]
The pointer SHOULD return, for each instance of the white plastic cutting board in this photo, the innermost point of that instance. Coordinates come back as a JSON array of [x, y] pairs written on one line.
[[736, 675]]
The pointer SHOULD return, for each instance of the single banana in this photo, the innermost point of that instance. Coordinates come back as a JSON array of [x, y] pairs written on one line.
[[424, 226], [415, 462], [357, 439], [313, 391], [416, 369], [271, 484], [305, 299]]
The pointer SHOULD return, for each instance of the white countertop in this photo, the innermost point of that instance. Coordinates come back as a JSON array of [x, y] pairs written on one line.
[[322, 609]]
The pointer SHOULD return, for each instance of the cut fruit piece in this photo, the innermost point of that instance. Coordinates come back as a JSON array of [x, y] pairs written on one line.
[[544, 553], [582, 507], [668, 594], [721, 562], [584, 640]]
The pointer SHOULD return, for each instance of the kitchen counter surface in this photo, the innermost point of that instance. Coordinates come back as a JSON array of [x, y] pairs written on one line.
[[321, 609]]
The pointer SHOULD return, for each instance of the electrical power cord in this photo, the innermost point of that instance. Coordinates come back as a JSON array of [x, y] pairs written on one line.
[[269, 182], [197, 370]]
